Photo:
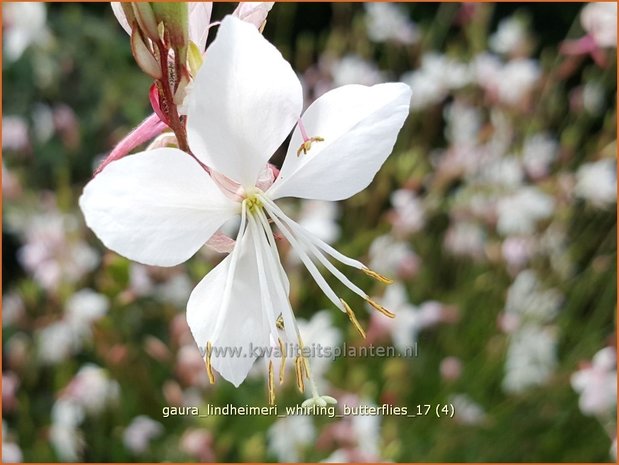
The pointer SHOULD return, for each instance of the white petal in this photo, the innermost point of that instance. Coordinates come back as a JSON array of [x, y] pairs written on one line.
[[199, 20], [157, 207], [120, 16], [246, 100], [253, 12], [243, 325], [359, 125]]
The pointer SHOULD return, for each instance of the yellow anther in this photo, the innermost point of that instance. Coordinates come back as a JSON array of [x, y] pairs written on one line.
[[298, 368], [209, 368], [307, 145], [377, 276], [280, 322], [271, 384], [353, 318], [380, 308], [282, 367]]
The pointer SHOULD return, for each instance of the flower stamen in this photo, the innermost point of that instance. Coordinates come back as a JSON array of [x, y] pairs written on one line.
[[307, 141], [271, 384], [377, 276], [209, 367], [353, 318], [380, 308], [299, 372], [282, 368]]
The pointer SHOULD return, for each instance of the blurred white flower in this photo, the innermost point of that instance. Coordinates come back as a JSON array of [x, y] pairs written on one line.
[[531, 358], [389, 22], [408, 212], [597, 384], [56, 342], [140, 432], [450, 368], [43, 122], [466, 410], [597, 182], [84, 308], [11, 452], [352, 69], [599, 19], [65, 436], [500, 171], [320, 218], [519, 212], [91, 389], [538, 153], [529, 303], [175, 289], [511, 82], [289, 437], [510, 36], [321, 331], [466, 239], [389, 255], [409, 320], [24, 25], [51, 253], [12, 308], [437, 75], [14, 130], [517, 251], [463, 123]]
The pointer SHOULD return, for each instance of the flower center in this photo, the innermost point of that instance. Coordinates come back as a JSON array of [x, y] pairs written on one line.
[[253, 203]]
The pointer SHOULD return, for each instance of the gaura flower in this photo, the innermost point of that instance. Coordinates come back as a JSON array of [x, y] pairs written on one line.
[[160, 206]]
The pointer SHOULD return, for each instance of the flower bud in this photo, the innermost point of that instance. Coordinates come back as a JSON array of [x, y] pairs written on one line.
[[145, 17], [143, 56], [175, 18]]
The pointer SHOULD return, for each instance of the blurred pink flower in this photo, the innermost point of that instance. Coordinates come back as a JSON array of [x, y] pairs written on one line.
[[596, 382]]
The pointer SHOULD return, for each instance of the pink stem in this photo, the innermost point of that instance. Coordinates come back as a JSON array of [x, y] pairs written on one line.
[[302, 129], [148, 129]]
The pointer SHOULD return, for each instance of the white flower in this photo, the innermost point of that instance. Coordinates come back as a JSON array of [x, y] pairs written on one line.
[[65, 435], [140, 432], [410, 319], [159, 207], [320, 218], [352, 69], [597, 384], [386, 21], [56, 342], [509, 37], [51, 253], [84, 308], [529, 303], [467, 411], [597, 182], [466, 238], [518, 213], [538, 153], [409, 212], [437, 75], [388, 254], [531, 358], [600, 21], [511, 82], [24, 25], [289, 436], [14, 130]]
